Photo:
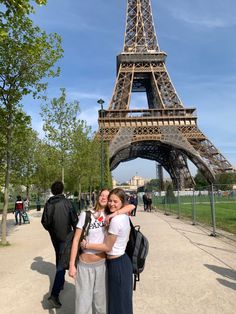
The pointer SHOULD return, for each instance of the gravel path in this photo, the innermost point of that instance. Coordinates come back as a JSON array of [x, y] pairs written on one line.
[[187, 271]]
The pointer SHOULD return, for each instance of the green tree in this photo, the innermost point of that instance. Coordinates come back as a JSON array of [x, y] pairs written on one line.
[[20, 6], [23, 160], [82, 164], [170, 196], [46, 167], [225, 181], [201, 182], [27, 55], [107, 172], [152, 185], [15, 8], [60, 121]]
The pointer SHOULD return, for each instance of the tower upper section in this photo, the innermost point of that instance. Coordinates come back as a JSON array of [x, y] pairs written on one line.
[[140, 35]]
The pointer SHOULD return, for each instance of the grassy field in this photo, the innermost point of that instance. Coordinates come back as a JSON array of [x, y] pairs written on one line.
[[225, 211]]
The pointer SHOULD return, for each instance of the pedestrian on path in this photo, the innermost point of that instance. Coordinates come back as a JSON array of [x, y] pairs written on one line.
[[58, 219], [19, 208], [90, 274], [145, 201], [38, 205], [149, 203], [119, 267]]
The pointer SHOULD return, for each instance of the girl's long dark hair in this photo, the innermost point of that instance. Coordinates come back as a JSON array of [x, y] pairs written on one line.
[[119, 193]]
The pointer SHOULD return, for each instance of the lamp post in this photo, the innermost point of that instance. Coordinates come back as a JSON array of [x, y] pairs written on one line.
[[101, 102]]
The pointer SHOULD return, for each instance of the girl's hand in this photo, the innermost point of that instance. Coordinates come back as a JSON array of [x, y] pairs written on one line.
[[109, 217], [83, 244], [72, 272]]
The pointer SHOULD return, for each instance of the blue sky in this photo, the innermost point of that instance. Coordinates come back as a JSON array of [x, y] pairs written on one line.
[[198, 37]]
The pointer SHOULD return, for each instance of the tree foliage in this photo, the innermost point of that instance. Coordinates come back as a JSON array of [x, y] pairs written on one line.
[[152, 185], [47, 169], [225, 181], [170, 196], [107, 172], [60, 122], [78, 153], [200, 180], [27, 56], [15, 9], [83, 161]]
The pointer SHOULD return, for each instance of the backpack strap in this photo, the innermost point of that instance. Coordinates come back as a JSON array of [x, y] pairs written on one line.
[[86, 226]]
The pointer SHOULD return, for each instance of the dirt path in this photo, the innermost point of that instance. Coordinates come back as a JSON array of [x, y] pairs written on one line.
[[187, 271]]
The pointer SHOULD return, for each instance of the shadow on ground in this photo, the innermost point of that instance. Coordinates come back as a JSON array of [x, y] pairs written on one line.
[[11, 227], [67, 295], [228, 273]]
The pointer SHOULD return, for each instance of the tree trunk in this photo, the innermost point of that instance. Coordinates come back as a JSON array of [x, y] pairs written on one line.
[[7, 182], [27, 191], [63, 174]]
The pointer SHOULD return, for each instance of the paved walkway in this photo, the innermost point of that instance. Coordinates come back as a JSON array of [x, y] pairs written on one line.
[[187, 271]]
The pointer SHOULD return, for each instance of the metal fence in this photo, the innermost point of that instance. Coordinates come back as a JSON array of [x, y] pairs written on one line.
[[210, 206]]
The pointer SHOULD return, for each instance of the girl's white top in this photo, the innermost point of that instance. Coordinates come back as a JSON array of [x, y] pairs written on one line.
[[119, 226], [96, 230]]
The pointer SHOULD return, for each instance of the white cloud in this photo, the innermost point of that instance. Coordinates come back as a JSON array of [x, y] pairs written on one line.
[[205, 13], [84, 95]]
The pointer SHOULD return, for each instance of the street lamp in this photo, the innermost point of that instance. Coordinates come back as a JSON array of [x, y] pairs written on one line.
[[101, 102]]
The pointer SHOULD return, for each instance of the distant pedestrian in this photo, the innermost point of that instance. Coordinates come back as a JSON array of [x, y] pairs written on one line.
[[19, 208], [134, 201], [135, 204], [38, 205], [93, 199], [149, 203], [26, 204], [145, 201], [59, 217]]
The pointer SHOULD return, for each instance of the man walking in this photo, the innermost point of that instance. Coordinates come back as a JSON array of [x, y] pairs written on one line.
[[58, 219], [19, 208]]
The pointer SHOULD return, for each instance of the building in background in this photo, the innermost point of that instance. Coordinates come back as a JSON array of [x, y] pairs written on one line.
[[131, 185]]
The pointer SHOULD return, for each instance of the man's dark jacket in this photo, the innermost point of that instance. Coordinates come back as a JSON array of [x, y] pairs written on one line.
[[59, 217]]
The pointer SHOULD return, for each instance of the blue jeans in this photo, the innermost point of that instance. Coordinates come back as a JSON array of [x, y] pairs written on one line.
[[18, 213], [59, 279]]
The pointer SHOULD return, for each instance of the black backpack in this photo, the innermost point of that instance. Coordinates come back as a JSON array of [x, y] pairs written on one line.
[[47, 217], [137, 250], [64, 258]]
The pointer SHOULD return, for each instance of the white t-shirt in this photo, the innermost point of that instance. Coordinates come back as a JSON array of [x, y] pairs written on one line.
[[96, 231], [119, 226]]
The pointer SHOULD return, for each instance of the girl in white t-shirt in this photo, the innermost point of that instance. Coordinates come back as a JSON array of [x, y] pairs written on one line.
[[90, 275], [120, 279]]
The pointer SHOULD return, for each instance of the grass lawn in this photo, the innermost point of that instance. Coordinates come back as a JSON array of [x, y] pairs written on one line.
[[225, 211]]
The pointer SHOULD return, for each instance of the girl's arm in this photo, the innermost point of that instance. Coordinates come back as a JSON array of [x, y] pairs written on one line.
[[106, 246], [124, 210], [73, 253]]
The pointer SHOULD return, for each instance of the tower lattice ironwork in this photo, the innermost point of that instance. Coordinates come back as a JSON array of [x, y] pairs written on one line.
[[165, 131]]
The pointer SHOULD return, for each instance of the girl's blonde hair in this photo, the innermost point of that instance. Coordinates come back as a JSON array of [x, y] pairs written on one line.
[[97, 206]]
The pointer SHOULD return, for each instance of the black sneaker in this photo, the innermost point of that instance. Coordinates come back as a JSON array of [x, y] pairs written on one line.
[[54, 301]]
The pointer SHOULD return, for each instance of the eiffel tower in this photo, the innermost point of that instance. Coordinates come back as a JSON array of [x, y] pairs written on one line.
[[165, 131]]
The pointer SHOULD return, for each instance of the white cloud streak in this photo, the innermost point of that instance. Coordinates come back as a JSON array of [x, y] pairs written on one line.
[[203, 13]]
